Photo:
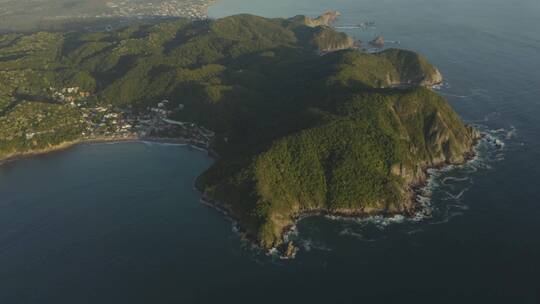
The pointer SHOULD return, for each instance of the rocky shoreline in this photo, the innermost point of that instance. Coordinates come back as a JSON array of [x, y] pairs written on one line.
[[415, 189], [287, 250]]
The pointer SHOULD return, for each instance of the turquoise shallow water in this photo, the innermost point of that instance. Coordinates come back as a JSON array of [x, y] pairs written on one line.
[[121, 223]]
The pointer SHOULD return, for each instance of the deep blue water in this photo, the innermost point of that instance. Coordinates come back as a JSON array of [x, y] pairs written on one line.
[[121, 223]]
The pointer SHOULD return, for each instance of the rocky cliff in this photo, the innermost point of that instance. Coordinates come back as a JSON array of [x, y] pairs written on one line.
[[326, 19]]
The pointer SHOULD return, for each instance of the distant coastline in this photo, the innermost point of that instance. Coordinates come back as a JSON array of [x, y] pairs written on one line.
[[29, 16]]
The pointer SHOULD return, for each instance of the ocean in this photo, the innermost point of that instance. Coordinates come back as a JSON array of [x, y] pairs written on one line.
[[121, 223]]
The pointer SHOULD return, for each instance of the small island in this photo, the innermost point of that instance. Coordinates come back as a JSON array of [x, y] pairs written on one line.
[[301, 121], [377, 42]]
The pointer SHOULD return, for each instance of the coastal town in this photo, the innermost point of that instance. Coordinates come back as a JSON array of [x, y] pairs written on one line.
[[107, 121], [193, 9], [16, 15]]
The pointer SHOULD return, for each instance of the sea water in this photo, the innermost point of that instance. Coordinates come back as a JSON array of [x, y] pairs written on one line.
[[122, 223]]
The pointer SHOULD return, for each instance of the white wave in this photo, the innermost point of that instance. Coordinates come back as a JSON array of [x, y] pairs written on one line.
[[114, 142], [423, 199], [499, 157], [198, 148], [378, 221], [309, 244], [492, 139], [499, 142], [424, 213], [381, 221], [108, 143], [444, 178], [511, 133], [441, 86], [290, 234], [440, 198], [459, 206], [456, 196], [163, 144], [453, 178], [455, 95], [495, 131], [148, 143], [335, 217], [272, 252]]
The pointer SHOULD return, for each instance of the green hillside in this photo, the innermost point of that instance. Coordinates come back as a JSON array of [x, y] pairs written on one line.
[[296, 131]]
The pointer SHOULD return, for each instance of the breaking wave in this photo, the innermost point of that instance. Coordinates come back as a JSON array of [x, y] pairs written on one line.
[[442, 196], [163, 144], [309, 244]]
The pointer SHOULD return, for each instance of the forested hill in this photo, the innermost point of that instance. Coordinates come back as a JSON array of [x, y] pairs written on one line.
[[304, 120]]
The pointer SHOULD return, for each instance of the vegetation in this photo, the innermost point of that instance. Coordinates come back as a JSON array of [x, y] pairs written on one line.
[[347, 132]]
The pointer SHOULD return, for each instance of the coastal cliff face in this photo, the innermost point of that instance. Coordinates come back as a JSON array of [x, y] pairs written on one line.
[[297, 133], [317, 33], [324, 39], [391, 68], [326, 19]]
